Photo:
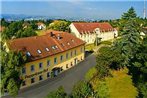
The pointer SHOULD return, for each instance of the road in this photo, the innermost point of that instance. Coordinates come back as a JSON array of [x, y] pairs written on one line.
[[66, 79]]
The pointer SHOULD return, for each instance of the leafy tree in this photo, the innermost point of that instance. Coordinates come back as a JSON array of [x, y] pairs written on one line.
[[4, 23], [59, 25], [81, 90], [91, 74], [11, 64], [60, 93], [26, 33], [102, 90]]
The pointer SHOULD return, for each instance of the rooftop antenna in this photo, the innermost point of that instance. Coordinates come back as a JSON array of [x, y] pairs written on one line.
[[144, 10]]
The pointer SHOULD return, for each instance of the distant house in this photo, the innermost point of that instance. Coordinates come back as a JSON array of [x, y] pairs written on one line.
[[25, 25], [89, 32], [41, 26]]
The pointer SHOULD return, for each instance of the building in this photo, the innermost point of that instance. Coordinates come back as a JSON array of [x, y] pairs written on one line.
[[41, 26], [48, 55], [88, 32]]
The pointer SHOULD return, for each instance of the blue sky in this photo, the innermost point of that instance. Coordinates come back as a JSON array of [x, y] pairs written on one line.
[[72, 8]]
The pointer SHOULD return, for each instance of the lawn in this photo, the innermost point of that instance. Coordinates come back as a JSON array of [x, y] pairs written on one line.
[[120, 85]]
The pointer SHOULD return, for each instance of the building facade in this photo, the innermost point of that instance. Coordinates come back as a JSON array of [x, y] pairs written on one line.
[[48, 55], [88, 32]]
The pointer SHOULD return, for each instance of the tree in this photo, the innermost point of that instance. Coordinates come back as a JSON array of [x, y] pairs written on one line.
[[26, 33], [60, 25], [81, 90], [130, 14], [91, 74], [4, 23], [60, 93], [133, 50], [11, 64]]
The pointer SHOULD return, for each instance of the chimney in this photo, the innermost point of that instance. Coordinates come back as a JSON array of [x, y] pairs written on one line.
[[51, 34], [58, 37]]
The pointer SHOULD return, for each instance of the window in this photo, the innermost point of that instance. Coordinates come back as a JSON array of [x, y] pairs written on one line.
[[68, 43], [81, 49], [40, 77], [75, 52], [53, 47], [61, 57], [23, 70], [61, 68], [40, 65], [23, 83], [66, 55], [48, 62], [56, 47], [39, 51], [71, 64], [55, 60], [28, 54], [81, 58], [72, 40], [32, 80], [48, 74], [71, 54], [32, 68], [46, 49], [66, 65]]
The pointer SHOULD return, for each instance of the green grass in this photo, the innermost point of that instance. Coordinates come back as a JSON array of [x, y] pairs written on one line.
[[120, 85], [106, 42], [39, 32], [89, 47]]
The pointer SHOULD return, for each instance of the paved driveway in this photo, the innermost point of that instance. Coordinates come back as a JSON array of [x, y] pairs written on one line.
[[66, 79]]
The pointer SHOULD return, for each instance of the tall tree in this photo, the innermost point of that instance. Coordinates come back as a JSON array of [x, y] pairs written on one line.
[[129, 14], [11, 64]]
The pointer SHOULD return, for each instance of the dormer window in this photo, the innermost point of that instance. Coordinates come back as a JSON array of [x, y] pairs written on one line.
[[28, 54], [56, 47], [53, 47], [46, 49], [68, 43], [39, 51], [72, 40]]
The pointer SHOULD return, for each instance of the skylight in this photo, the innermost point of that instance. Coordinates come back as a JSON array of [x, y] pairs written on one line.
[[28, 53], [47, 49], [53, 47], [68, 43], [39, 51], [56, 46], [72, 40]]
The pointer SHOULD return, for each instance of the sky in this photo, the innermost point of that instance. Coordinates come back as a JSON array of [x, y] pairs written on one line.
[[72, 8]]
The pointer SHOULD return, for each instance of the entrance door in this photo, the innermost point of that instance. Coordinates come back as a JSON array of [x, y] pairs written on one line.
[[75, 61]]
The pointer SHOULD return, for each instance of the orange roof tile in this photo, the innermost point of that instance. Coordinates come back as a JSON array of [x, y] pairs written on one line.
[[32, 44], [90, 27]]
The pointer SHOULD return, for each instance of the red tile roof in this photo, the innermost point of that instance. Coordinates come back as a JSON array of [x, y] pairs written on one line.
[[32, 44], [90, 27]]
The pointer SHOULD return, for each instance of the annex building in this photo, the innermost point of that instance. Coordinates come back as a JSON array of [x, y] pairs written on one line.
[[48, 55], [89, 32]]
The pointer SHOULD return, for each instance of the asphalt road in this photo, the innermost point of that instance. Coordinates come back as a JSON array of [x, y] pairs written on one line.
[[66, 79]]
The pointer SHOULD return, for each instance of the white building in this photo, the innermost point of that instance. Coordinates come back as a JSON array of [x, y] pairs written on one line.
[[88, 32], [41, 26]]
